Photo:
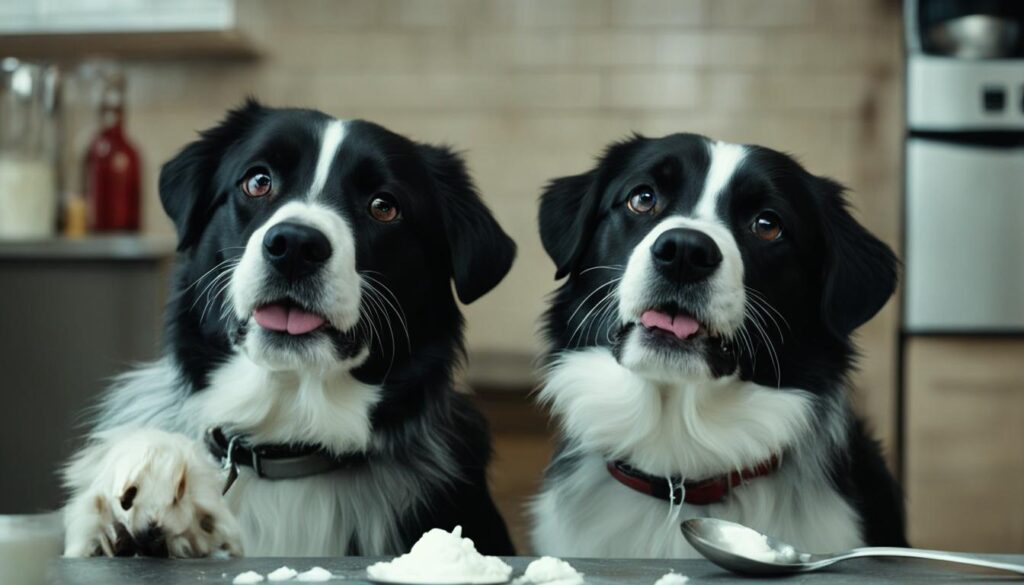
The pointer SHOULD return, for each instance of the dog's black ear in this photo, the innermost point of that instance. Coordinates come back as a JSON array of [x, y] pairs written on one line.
[[481, 252], [860, 271], [568, 208], [187, 190]]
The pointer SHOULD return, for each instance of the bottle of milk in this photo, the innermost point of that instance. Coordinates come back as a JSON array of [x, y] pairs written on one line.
[[28, 154]]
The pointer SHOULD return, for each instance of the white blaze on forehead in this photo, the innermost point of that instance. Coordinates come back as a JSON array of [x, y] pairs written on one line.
[[724, 310], [330, 141], [725, 158]]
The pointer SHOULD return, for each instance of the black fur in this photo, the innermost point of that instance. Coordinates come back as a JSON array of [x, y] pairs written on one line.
[[826, 276], [446, 234]]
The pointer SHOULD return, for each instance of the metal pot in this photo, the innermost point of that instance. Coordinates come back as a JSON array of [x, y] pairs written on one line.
[[976, 36]]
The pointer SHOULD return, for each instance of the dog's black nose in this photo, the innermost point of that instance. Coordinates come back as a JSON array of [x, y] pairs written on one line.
[[295, 250], [686, 255], [152, 542]]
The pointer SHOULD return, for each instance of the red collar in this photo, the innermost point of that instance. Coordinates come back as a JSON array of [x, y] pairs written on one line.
[[699, 493]]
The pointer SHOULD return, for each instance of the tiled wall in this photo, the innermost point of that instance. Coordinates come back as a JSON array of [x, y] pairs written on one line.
[[532, 89]]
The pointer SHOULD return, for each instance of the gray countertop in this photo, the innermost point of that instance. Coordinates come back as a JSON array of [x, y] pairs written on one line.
[[91, 248], [596, 571]]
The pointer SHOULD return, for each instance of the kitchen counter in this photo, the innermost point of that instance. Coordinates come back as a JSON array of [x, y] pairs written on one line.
[[112, 247], [612, 571]]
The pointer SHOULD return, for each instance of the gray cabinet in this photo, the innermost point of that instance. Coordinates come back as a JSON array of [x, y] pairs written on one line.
[[72, 314]]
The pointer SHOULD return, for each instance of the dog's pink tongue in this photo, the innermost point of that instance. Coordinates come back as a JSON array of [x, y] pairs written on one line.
[[291, 319], [681, 326], [300, 322], [273, 317]]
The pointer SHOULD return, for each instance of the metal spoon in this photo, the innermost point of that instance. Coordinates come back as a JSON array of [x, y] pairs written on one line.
[[743, 550]]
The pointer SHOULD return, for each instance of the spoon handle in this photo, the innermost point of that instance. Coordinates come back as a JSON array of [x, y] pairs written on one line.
[[934, 555]]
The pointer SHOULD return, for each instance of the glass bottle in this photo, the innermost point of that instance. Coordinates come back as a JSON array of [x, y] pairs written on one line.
[[28, 169], [112, 174]]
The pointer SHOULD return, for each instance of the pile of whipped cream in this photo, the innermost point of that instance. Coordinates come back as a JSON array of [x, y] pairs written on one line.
[[441, 557], [446, 558]]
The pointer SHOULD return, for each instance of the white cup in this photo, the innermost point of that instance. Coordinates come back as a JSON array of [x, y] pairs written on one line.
[[29, 545]]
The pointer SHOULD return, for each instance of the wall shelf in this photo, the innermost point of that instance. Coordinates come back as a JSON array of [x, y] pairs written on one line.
[[93, 247], [129, 46]]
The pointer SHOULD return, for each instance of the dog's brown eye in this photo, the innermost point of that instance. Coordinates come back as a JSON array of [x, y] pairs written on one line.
[[383, 208], [257, 183], [642, 200], [767, 226]]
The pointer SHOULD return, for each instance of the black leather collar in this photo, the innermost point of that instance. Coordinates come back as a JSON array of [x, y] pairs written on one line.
[[276, 461]]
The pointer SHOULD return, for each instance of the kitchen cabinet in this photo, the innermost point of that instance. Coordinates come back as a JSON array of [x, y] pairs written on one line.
[[73, 313], [78, 16], [964, 442], [129, 29]]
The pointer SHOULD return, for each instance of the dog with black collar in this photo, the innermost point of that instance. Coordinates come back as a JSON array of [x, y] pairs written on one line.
[[700, 348], [304, 403]]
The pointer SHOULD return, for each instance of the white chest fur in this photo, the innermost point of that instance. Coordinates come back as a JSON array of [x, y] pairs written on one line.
[[589, 514], [695, 429], [322, 515], [311, 516], [329, 408]]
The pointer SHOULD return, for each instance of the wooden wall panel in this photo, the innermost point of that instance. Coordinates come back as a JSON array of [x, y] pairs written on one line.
[[965, 444]]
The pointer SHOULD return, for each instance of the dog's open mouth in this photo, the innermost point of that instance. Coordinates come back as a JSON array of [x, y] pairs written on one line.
[[674, 325], [287, 317]]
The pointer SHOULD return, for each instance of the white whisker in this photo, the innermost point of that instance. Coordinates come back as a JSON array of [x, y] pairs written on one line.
[[605, 267], [591, 311], [586, 298], [395, 306]]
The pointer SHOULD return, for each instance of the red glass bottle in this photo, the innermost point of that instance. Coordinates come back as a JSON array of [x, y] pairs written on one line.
[[112, 176]]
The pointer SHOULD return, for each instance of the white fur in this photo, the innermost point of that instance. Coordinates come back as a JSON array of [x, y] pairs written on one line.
[[321, 515], [590, 514], [313, 516], [694, 428], [148, 396], [330, 142], [725, 158], [339, 299], [176, 485], [274, 406], [718, 424]]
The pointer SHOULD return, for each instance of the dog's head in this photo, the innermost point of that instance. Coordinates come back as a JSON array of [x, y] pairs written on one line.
[[691, 256], [310, 242]]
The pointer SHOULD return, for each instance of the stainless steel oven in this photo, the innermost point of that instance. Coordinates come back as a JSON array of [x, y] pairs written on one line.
[[964, 252], [964, 192]]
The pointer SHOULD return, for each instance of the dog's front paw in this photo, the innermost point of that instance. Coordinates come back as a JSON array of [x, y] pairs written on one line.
[[147, 492]]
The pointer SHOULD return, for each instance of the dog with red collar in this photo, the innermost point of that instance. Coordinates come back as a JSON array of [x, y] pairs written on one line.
[[700, 348]]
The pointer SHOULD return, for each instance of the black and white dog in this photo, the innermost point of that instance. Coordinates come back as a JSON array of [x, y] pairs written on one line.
[[313, 327], [700, 353]]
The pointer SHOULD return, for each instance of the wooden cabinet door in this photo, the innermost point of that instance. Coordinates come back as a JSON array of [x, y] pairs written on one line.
[[965, 443]]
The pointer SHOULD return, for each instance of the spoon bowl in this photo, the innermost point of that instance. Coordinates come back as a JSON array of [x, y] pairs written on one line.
[[748, 552], [742, 550]]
